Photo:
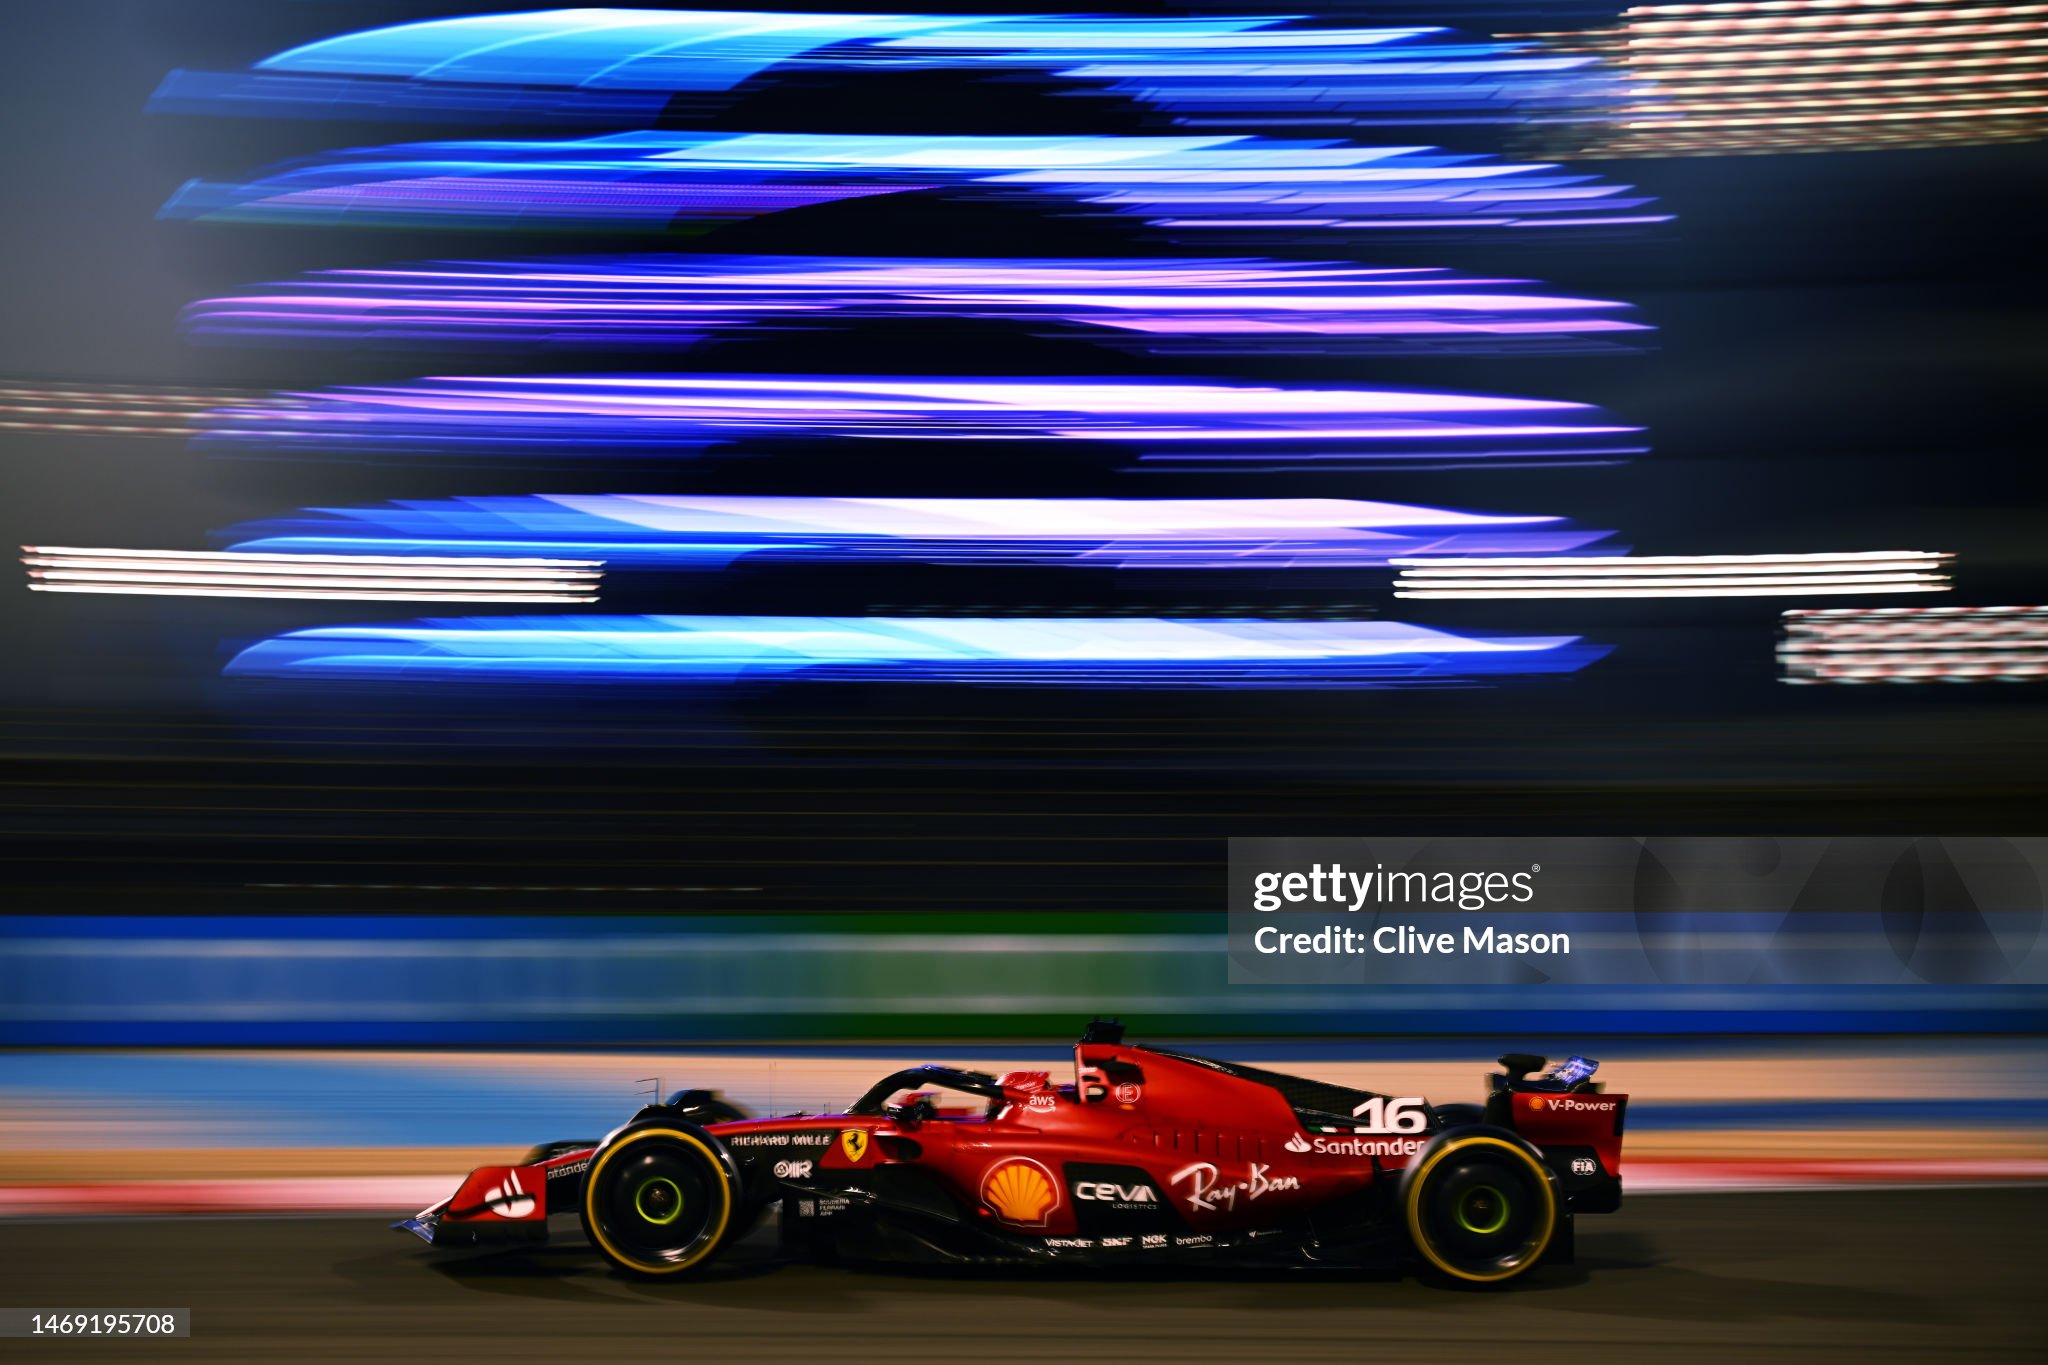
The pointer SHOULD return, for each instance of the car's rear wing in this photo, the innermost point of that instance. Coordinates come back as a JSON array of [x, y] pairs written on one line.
[[1573, 1122]]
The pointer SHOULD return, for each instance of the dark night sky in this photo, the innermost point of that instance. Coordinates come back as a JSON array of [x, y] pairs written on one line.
[[1850, 358]]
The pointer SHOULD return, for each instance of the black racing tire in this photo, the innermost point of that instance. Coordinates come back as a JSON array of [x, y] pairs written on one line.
[[1480, 1205], [662, 1199]]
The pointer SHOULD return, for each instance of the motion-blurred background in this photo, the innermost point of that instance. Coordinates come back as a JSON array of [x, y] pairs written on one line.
[[771, 884]]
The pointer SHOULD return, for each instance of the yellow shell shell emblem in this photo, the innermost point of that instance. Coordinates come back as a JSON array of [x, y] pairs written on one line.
[[854, 1143], [1020, 1191]]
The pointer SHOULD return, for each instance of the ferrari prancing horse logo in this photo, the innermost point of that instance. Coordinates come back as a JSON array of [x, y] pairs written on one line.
[[854, 1143]]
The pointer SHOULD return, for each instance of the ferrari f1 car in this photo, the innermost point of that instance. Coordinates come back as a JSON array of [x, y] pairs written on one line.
[[1149, 1156]]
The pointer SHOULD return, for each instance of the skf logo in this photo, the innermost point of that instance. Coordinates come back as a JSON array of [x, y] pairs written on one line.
[[1020, 1191], [1297, 1143], [853, 1143]]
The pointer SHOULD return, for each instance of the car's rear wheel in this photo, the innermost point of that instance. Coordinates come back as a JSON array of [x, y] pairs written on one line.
[[1481, 1207], [661, 1199]]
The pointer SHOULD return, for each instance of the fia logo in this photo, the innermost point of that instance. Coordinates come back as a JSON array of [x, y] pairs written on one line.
[[854, 1144]]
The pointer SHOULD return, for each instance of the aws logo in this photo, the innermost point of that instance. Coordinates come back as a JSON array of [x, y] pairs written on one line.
[[853, 1144], [1020, 1191]]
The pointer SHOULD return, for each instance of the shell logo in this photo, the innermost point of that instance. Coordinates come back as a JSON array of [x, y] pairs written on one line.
[[1538, 1102], [1020, 1191]]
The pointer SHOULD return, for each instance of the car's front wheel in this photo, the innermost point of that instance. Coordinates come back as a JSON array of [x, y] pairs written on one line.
[[1481, 1206], [661, 1199]]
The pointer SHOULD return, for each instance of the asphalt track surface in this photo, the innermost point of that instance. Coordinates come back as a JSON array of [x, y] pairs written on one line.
[[1914, 1275]]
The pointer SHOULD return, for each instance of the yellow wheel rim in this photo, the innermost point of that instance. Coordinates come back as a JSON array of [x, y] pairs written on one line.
[[1546, 1201], [716, 1224]]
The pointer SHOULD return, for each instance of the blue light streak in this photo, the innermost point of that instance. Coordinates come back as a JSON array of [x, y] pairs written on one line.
[[1200, 306], [499, 417], [639, 181], [709, 532], [596, 65], [1087, 653]]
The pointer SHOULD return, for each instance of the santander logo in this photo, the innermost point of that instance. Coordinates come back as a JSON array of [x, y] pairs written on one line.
[[1355, 1146]]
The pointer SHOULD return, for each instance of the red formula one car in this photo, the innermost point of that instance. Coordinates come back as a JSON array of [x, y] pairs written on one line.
[[1149, 1156]]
